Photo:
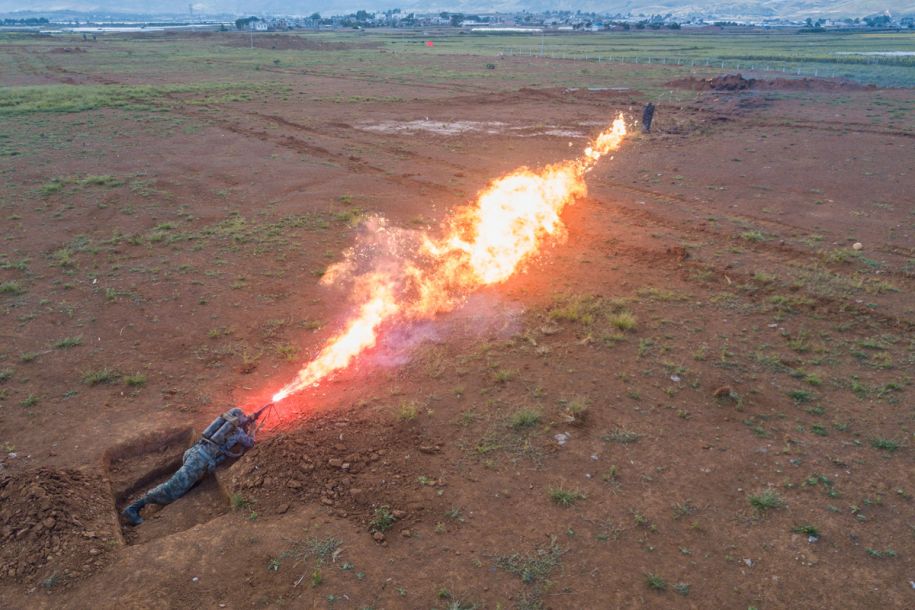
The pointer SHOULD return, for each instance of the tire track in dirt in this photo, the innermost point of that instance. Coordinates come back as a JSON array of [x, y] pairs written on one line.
[[343, 126], [352, 163]]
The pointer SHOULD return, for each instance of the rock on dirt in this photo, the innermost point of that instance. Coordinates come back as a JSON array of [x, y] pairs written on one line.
[[50, 522]]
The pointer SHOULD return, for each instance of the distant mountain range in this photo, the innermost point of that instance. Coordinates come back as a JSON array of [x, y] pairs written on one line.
[[791, 9]]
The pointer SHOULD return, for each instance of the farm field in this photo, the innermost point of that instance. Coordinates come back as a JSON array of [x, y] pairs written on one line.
[[699, 396]]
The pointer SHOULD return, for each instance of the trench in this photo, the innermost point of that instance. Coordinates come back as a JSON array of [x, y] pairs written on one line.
[[143, 462]]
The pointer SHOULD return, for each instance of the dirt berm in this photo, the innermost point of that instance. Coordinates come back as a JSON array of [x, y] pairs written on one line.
[[736, 82]]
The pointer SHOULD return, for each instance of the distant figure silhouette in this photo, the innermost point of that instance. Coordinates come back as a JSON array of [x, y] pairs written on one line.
[[647, 116]]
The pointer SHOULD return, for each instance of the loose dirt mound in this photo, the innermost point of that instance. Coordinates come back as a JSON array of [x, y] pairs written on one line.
[[290, 42], [56, 525], [736, 82], [352, 467]]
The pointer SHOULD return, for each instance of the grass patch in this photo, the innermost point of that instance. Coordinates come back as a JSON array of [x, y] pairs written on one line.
[[383, 519], [623, 320], [524, 418], [661, 294], [565, 497], [68, 342], [768, 499], [884, 444], [534, 567], [5, 375], [800, 396], [807, 530], [503, 376], [753, 236], [655, 582], [622, 436], [12, 288], [136, 380], [17, 101], [238, 501], [100, 376], [407, 411], [576, 409]]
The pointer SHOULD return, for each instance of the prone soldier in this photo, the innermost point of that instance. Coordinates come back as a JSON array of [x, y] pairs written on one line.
[[231, 430]]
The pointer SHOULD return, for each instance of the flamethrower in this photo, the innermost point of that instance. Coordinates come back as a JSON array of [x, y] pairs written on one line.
[[396, 275], [252, 419]]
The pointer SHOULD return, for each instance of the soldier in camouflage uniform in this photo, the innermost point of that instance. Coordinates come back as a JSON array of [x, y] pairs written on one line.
[[647, 117], [226, 432]]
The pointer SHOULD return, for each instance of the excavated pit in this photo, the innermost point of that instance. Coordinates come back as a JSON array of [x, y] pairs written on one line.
[[144, 462]]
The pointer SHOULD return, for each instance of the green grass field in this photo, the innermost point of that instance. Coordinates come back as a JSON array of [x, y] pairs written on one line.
[[823, 54]]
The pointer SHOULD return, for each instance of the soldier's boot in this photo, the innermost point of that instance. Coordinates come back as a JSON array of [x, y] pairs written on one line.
[[132, 512]]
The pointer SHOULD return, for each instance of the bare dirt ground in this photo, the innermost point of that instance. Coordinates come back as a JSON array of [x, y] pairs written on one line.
[[701, 398]]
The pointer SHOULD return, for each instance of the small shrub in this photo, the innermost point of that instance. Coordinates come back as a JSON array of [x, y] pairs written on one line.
[[800, 396], [884, 444], [100, 376], [503, 376], [766, 500], [525, 418], [622, 436], [807, 530], [407, 411], [12, 287], [565, 497], [68, 342], [623, 320], [383, 519], [655, 582], [754, 236], [576, 409], [238, 501], [136, 380]]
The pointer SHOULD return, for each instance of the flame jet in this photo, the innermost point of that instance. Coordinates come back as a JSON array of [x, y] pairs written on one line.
[[408, 275]]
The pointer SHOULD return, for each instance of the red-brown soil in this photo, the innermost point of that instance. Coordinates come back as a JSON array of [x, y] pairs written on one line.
[[57, 525], [704, 387]]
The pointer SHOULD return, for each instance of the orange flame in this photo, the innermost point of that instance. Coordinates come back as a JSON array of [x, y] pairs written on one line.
[[484, 243]]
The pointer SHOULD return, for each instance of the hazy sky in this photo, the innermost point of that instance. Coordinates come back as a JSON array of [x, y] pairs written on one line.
[[305, 7]]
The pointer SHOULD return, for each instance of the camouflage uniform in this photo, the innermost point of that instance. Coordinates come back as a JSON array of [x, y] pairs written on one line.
[[647, 116], [200, 459]]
